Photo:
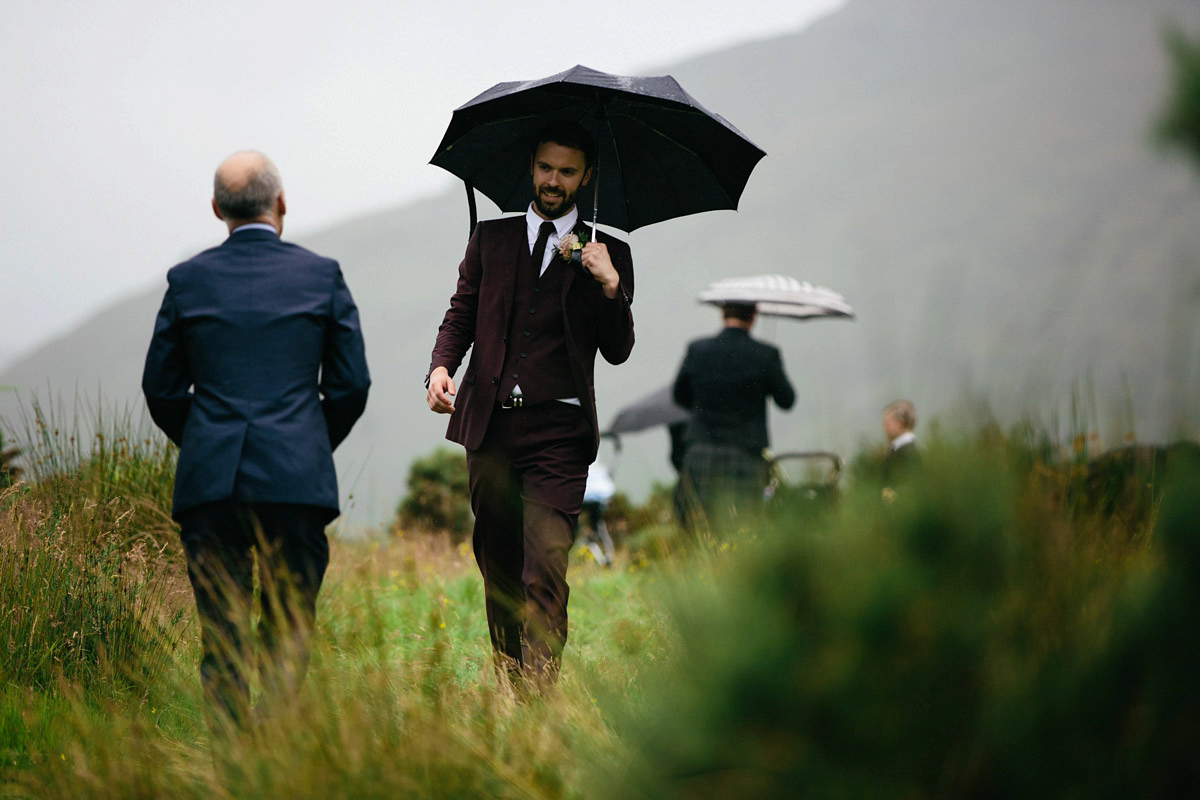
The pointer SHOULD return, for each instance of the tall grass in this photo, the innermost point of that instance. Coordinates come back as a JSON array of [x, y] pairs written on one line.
[[991, 633]]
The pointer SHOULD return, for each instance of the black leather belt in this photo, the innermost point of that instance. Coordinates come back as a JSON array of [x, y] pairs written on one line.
[[513, 401]]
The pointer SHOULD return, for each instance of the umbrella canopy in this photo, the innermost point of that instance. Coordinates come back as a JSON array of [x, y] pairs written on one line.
[[660, 154], [656, 408], [778, 296]]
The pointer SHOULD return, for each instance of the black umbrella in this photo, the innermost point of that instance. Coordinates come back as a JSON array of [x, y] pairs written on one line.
[[660, 154], [656, 408]]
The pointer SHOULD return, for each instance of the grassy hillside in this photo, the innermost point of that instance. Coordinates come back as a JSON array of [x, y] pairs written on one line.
[[999, 630]]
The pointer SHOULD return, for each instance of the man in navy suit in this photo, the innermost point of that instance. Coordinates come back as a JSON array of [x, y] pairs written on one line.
[[257, 372], [725, 381], [533, 320]]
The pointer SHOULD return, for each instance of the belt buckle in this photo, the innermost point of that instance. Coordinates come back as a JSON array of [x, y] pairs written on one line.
[[513, 401]]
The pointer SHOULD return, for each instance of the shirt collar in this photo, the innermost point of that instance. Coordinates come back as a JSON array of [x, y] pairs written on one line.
[[255, 226], [562, 226], [908, 437]]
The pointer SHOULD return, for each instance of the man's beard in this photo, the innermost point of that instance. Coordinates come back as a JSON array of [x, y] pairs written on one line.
[[566, 201]]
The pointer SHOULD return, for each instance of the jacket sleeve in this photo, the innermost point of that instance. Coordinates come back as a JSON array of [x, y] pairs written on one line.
[[780, 386], [614, 336], [457, 331], [345, 379], [167, 376]]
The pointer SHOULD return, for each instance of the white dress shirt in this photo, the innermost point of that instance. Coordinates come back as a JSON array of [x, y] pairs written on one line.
[[562, 226], [255, 226]]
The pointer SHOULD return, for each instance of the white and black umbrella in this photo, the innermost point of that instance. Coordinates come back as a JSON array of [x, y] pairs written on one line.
[[779, 296]]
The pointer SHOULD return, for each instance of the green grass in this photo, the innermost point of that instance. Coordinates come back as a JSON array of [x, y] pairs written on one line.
[[989, 633]]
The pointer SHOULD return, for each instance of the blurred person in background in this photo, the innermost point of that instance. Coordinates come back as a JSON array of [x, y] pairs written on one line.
[[902, 459], [597, 494], [725, 381]]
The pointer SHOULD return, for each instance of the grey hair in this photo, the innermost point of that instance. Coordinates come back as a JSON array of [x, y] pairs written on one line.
[[253, 199], [904, 412]]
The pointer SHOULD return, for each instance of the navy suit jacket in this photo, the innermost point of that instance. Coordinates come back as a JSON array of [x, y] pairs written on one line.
[[257, 371], [725, 380]]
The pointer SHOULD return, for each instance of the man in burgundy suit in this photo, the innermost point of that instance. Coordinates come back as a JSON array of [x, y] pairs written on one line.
[[525, 409]]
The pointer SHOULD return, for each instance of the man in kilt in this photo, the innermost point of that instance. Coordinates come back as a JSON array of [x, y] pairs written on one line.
[[725, 381]]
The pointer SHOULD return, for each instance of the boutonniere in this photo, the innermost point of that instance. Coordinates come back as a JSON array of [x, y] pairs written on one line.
[[571, 245]]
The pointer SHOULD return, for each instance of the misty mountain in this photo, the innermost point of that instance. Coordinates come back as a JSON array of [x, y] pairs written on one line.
[[977, 179]]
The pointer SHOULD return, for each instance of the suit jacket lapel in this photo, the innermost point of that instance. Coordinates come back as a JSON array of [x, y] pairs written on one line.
[[513, 248]]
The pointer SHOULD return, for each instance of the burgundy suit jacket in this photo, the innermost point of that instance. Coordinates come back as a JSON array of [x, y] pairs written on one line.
[[480, 314]]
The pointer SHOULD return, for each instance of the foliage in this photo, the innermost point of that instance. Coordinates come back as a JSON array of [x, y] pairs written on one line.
[[625, 518], [1179, 121], [984, 635], [84, 579], [992, 632], [438, 498], [401, 700]]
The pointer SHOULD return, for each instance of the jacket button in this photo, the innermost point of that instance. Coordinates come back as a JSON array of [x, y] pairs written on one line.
[[522, 355], [531, 310], [536, 290], [514, 376], [526, 333], [495, 381]]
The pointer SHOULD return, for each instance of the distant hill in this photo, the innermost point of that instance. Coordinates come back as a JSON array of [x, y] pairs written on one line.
[[975, 178]]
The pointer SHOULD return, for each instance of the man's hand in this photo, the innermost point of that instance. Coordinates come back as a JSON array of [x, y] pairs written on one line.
[[440, 396], [595, 259]]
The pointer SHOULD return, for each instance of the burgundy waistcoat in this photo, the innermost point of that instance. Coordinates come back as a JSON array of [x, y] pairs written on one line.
[[535, 354]]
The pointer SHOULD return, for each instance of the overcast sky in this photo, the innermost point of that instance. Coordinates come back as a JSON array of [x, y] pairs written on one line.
[[117, 111]]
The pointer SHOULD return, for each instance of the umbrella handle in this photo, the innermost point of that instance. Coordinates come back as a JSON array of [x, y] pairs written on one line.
[[471, 207], [595, 197]]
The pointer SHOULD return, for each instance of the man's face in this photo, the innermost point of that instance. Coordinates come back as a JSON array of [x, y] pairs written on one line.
[[558, 172], [892, 427]]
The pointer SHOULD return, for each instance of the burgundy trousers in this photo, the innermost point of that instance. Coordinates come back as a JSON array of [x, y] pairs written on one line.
[[527, 481]]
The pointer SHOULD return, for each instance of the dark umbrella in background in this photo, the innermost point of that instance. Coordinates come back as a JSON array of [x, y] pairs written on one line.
[[652, 410], [656, 408], [660, 154]]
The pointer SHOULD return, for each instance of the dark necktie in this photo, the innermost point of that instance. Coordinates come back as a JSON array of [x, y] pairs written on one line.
[[539, 247]]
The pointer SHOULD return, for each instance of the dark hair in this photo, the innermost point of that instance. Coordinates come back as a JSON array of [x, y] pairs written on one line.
[[567, 134], [740, 311], [254, 198]]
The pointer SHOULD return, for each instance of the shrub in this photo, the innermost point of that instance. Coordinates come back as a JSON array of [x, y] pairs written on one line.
[[977, 637], [438, 498]]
